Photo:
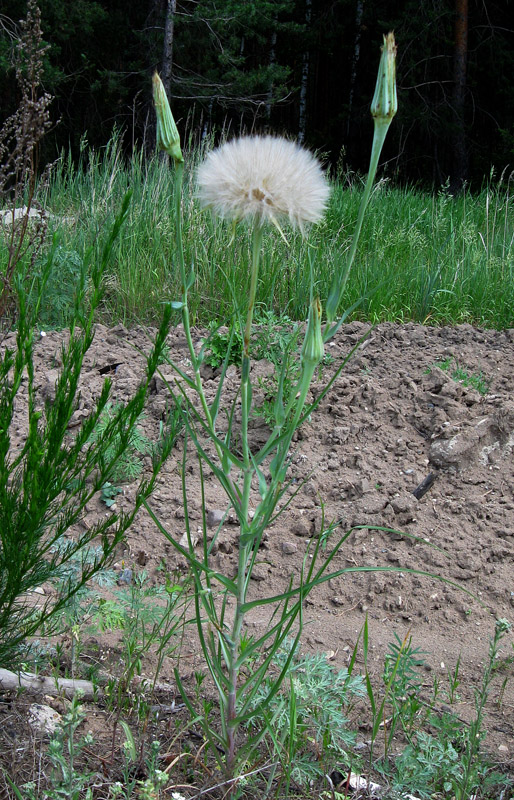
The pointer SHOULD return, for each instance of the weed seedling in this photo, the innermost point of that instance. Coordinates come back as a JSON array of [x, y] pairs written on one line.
[[476, 379], [223, 344], [454, 683], [110, 493]]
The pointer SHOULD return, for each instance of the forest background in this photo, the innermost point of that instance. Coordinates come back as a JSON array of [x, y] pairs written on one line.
[[305, 68]]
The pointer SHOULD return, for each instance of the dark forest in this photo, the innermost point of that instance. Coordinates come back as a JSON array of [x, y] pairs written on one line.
[[305, 68]]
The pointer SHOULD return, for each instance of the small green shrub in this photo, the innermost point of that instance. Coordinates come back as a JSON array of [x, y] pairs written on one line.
[[46, 484]]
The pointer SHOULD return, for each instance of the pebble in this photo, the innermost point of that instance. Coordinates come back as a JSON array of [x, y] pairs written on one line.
[[259, 573], [214, 517], [288, 548], [125, 576], [338, 600], [299, 528]]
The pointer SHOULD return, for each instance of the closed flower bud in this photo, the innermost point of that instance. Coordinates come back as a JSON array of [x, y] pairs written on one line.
[[313, 348], [168, 138], [385, 102]]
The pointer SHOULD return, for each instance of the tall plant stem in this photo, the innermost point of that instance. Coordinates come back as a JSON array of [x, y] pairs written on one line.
[[245, 539], [339, 284], [379, 135], [186, 282]]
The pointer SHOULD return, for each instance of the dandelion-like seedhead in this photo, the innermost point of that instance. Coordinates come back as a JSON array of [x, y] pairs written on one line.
[[263, 179]]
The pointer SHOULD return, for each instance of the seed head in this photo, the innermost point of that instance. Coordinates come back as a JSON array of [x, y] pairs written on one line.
[[263, 179]]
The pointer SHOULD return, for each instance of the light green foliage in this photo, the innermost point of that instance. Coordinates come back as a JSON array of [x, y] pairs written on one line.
[[110, 493], [80, 607], [443, 754], [68, 780], [127, 467], [223, 345], [308, 728], [403, 679], [151, 788], [276, 339], [150, 618]]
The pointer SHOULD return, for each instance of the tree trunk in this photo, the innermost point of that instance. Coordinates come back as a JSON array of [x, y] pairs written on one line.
[[355, 60], [302, 121], [272, 61], [460, 152], [167, 53]]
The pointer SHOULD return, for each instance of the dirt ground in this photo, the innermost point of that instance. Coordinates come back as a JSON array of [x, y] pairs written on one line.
[[393, 417]]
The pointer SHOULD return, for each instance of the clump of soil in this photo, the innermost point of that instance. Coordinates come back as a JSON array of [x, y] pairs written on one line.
[[413, 404]]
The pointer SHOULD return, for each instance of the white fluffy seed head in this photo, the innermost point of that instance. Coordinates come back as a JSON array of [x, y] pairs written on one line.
[[263, 179]]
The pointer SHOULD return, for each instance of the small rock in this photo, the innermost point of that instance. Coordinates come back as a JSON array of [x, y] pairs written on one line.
[[48, 388], [338, 600], [299, 528], [225, 546], [372, 505], [259, 573], [404, 503], [43, 719], [288, 548], [118, 332], [184, 541], [503, 749], [465, 561]]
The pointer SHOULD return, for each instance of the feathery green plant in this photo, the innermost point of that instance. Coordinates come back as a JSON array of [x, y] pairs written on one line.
[[46, 484], [307, 721], [447, 760]]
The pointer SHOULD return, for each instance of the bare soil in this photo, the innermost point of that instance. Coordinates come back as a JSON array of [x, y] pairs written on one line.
[[391, 419]]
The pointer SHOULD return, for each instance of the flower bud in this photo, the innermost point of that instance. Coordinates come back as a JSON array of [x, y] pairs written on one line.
[[313, 348], [168, 138], [385, 102]]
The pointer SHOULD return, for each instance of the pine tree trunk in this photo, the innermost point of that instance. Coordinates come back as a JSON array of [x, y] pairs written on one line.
[[167, 54], [460, 152], [272, 61], [355, 60], [302, 122]]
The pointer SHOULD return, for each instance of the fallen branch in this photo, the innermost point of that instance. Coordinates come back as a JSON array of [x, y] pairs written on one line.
[[67, 687], [56, 687]]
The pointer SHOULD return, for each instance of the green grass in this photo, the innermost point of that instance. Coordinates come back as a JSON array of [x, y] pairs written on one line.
[[431, 258]]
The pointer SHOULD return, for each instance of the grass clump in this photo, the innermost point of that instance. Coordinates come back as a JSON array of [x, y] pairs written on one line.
[[434, 259]]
